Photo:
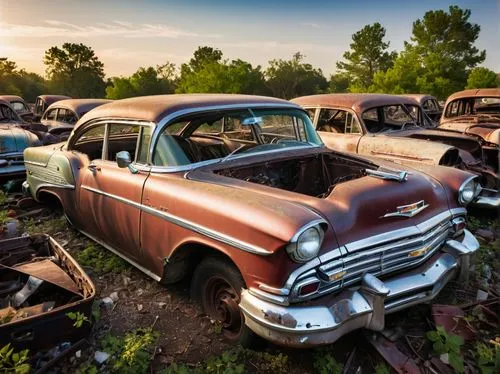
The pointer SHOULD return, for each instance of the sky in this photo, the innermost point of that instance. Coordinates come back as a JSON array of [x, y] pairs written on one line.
[[128, 34]]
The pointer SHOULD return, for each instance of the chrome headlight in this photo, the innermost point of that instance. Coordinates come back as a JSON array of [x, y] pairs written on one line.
[[469, 190], [306, 243]]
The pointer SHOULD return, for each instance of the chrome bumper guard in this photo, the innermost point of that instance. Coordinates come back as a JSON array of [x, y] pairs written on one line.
[[488, 198], [26, 188], [326, 319]]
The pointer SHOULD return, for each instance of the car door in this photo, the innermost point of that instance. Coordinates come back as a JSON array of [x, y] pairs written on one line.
[[110, 196], [339, 129]]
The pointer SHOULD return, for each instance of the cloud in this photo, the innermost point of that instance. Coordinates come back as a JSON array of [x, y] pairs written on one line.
[[55, 28], [311, 25], [284, 46]]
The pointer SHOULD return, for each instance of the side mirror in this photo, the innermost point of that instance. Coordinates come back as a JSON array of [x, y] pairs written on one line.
[[124, 160]]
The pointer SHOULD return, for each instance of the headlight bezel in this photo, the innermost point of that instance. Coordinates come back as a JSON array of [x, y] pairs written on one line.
[[293, 248], [471, 185]]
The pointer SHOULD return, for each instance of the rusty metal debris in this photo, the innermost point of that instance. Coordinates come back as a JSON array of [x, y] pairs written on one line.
[[39, 285]]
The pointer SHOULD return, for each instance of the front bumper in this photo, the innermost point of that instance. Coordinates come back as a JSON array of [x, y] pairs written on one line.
[[326, 319]]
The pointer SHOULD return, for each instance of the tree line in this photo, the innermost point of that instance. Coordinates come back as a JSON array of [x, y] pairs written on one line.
[[440, 58]]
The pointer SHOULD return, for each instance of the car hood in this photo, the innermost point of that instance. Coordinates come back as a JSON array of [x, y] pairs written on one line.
[[355, 209], [488, 131], [14, 139]]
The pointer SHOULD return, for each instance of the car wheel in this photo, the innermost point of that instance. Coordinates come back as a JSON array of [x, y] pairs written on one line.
[[217, 285]]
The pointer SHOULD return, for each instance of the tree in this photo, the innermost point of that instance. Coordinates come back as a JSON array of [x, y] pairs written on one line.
[[75, 70], [338, 83], [367, 55], [20, 82], [207, 72], [291, 78], [145, 81], [481, 78]]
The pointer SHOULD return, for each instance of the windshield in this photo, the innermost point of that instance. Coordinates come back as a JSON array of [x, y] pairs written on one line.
[[389, 118], [473, 106], [6, 114], [223, 134]]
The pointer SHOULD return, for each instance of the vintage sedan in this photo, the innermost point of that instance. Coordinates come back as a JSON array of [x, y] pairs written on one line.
[[42, 102], [396, 128], [280, 236], [19, 105], [429, 104], [476, 113], [15, 136], [60, 117]]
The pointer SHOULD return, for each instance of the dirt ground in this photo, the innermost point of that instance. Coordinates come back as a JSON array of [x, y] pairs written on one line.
[[187, 338]]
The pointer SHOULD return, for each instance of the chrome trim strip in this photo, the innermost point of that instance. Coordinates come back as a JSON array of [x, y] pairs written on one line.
[[35, 163], [458, 212], [187, 224], [274, 290], [316, 222], [396, 175], [131, 262], [419, 206]]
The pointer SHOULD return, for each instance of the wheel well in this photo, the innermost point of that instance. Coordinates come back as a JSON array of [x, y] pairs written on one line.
[[50, 199], [182, 263]]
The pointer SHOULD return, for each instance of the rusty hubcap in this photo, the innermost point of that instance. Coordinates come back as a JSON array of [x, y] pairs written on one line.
[[221, 303]]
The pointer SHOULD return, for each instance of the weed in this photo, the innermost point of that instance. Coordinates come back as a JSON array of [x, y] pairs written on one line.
[[325, 363], [217, 327], [100, 260], [225, 363], [270, 363], [87, 368], [3, 197], [130, 354], [488, 358], [176, 369], [4, 217], [46, 226], [442, 343], [78, 317], [14, 362]]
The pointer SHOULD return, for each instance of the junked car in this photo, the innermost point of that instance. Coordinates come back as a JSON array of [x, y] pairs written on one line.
[[19, 105], [429, 104], [396, 128], [476, 113], [61, 116], [281, 237], [42, 102], [15, 136]]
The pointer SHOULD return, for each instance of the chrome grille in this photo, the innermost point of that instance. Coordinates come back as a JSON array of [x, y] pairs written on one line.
[[379, 260]]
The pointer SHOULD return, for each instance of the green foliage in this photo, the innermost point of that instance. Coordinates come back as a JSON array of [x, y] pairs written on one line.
[[368, 55], [382, 368], [325, 363], [75, 70], [227, 363], [4, 217], [338, 83], [87, 368], [207, 73], [100, 260], [14, 362], [291, 78], [442, 343], [481, 78], [3, 197], [78, 317], [145, 81], [19, 82], [130, 354], [488, 358]]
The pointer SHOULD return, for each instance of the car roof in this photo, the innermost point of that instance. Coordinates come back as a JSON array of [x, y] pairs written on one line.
[[357, 102], [79, 106], [155, 108], [11, 98], [419, 97], [477, 92], [49, 99]]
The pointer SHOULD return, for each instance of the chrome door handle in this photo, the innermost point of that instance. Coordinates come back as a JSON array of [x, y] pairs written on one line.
[[93, 168]]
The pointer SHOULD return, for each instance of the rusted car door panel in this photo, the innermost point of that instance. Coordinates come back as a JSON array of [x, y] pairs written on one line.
[[113, 214], [341, 142]]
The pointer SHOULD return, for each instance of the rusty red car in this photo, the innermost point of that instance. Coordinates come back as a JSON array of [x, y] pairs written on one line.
[[397, 128], [429, 104], [280, 236], [476, 113]]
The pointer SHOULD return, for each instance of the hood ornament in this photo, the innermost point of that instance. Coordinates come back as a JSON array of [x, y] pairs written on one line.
[[409, 210], [394, 175]]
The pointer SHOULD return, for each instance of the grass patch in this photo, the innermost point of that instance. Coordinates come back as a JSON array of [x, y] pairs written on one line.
[[45, 226], [100, 260]]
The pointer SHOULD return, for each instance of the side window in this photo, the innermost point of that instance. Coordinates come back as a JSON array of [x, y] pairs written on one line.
[[66, 116], [233, 129], [394, 114], [452, 110], [19, 106], [208, 128], [91, 142], [122, 138], [338, 121], [39, 106], [429, 105], [6, 113], [51, 115], [311, 112]]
